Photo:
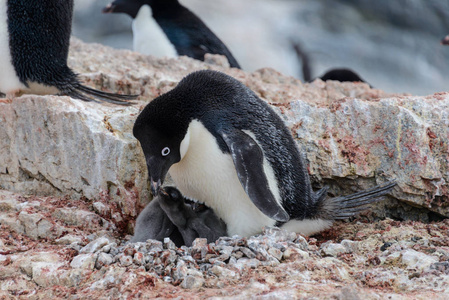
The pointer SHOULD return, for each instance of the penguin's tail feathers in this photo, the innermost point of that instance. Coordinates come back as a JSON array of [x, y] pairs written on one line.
[[85, 93], [344, 207]]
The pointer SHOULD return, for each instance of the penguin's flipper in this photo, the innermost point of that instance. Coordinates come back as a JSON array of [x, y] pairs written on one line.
[[249, 161]]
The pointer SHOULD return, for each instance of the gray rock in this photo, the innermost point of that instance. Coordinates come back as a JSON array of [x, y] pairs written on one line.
[[355, 138], [69, 239], [36, 226], [192, 282], [103, 259], [100, 208], [96, 245], [126, 260], [417, 260], [350, 246], [84, 261], [295, 253], [332, 249]]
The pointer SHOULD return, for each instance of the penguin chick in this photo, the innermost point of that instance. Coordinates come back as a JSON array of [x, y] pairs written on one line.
[[34, 46], [186, 32], [183, 220], [153, 223], [227, 148]]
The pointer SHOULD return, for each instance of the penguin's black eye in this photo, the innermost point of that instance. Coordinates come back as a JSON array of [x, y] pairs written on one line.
[[165, 151]]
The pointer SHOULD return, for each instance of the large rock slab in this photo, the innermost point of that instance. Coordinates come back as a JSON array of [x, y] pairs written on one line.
[[353, 136]]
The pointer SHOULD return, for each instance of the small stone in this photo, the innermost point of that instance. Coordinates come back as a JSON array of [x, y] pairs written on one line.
[[100, 208], [222, 272], [36, 226], [106, 249], [385, 246], [247, 252], [331, 249], [301, 242], [168, 244], [276, 253], [69, 239], [103, 259], [75, 246], [125, 260], [84, 261], [417, 260], [95, 245], [295, 253], [199, 243], [192, 282], [350, 246], [138, 258], [216, 59]]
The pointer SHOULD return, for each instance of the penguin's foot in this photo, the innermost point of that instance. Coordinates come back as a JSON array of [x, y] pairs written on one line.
[[13, 94]]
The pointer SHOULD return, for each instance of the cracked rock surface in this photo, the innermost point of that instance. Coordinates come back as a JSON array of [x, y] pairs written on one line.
[[73, 179]]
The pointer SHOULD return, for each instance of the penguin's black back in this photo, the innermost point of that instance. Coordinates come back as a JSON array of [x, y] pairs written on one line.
[[342, 75], [189, 35], [223, 104], [39, 37]]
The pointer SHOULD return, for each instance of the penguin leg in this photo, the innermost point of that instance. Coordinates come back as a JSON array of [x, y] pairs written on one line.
[[13, 94], [248, 159]]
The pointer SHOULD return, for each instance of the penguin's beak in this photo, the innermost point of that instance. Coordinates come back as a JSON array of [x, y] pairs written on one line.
[[109, 8], [445, 41], [155, 187]]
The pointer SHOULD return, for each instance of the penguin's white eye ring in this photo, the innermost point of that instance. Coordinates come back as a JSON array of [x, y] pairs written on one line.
[[165, 151]]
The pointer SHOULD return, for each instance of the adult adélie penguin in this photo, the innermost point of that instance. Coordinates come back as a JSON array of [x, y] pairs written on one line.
[[227, 148], [34, 46], [186, 33]]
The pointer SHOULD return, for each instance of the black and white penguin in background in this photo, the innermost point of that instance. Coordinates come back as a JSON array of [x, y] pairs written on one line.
[[185, 33], [182, 220], [34, 46], [227, 148], [338, 74]]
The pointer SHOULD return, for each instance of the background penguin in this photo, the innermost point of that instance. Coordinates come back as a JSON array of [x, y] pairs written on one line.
[[186, 32], [445, 40], [227, 148], [339, 74], [34, 46], [183, 220]]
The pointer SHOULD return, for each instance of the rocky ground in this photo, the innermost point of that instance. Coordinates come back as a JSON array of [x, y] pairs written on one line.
[[61, 248], [73, 179]]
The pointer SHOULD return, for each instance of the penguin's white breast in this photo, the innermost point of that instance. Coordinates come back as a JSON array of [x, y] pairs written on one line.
[[148, 37], [207, 174], [9, 81]]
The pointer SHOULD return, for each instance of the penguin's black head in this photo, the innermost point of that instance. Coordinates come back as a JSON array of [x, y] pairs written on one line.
[[342, 75], [131, 7], [162, 136]]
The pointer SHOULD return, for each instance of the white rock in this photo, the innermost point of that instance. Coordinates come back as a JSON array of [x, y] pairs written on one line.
[[417, 260], [96, 245], [84, 261]]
